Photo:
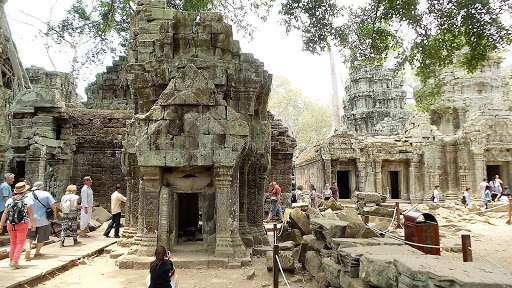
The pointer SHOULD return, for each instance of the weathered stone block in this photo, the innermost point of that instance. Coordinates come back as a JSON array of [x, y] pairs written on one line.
[[100, 215], [314, 263], [332, 272], [300, 221]]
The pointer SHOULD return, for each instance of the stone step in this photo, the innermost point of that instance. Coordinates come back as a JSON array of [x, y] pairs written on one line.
[[189, 262]]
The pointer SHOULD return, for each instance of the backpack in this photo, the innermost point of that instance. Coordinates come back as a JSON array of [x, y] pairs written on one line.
[[66, 205], [294, 198], [432, 198], [463, 200], [17, 211]]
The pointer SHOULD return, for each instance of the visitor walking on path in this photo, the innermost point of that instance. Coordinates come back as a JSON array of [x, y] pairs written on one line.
[[486, 195], [327, 192], [115, 209], [161, 271], [335, 191], [483, 185], [42, 200], [5, 192], [18, 211], [69, 207], [87, 204], [275, 200]]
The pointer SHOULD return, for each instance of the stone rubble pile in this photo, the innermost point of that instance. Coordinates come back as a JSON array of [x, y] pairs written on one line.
[[339, 250]]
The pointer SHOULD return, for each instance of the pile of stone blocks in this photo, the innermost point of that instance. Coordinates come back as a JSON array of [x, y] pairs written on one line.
[[370, 203]]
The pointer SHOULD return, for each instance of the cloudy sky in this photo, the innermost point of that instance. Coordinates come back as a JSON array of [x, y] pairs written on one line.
[[281, 53]]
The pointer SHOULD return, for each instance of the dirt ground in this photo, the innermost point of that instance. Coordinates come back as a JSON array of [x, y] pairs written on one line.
[[491, 239], [102, 272]]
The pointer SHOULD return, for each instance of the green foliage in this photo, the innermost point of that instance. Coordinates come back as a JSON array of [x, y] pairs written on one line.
[[309, 122], [444, 33]]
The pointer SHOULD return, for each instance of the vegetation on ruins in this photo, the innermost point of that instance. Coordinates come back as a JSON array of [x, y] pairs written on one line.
[[428, 35], [308, 121]]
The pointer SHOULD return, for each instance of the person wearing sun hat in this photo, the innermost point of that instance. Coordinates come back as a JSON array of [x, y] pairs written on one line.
[[21, 207], [42, 200]]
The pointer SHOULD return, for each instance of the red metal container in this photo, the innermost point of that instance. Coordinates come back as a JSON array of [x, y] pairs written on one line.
[[422, 228]]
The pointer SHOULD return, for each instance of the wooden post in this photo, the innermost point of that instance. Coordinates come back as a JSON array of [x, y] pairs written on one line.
[[467, 254], [275, 233], [509, 222], [398, 221], [366, 219], [275, 267]]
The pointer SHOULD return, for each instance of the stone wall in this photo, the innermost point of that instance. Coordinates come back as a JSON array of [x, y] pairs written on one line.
[[98, 137], [281, 160], [110, 90]]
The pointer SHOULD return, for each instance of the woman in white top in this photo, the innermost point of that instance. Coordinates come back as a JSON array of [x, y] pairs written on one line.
[[69, 206], [327, 192], [298, 193]]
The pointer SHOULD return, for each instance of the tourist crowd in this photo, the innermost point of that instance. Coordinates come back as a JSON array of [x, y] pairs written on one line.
[[26, 214], [490, 191]]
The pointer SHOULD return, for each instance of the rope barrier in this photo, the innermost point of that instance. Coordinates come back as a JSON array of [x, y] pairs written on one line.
[[410, 209], [408, 242], [487, 210], [282, 273], [492, 262]]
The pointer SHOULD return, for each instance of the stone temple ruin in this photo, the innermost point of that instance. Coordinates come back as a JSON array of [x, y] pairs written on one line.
[[382, 148], [181, 122]]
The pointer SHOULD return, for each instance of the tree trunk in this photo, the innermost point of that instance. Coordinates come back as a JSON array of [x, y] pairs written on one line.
[[16, 75], [334, 101]]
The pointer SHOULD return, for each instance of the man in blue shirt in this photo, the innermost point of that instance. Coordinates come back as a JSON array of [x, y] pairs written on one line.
[[42, 200], [5, 192]]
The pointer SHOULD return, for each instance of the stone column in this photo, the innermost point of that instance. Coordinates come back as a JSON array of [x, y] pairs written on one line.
[[243, 201], [165, 214], [413, 189], [228, 242], [361, 172], [479, 174], [378, 176], [148, 219], [451, 159]]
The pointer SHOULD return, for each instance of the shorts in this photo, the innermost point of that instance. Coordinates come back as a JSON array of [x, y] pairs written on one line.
[[275, 209], [42, 234]]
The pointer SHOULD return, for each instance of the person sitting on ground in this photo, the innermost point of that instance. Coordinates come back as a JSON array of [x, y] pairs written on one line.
[[486, 195], [327, 192], [69, 207], [504, 198], [19, 210], [161, 271], [299, 193], [466, 197]]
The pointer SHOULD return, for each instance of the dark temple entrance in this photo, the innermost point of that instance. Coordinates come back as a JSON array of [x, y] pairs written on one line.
[[394, 184], [20, 170], [189, 217], [343, 180], [492, 171]]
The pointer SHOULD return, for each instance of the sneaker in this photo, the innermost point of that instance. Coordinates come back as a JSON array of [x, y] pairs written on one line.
[[117, 236], [107, 236], [84, 236], [38, 255], [15, 265]]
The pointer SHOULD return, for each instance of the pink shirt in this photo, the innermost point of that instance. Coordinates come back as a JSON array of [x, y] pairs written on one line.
[[482, 186]]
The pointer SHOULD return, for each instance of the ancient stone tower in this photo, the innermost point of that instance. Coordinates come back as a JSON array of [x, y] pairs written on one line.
[[375, 101], [197, 150]]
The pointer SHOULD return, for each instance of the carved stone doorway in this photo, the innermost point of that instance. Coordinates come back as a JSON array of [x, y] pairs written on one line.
[[394, 184], [189, 217], [343, 180]]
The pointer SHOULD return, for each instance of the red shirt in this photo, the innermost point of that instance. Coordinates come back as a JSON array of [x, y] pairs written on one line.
[[276, 191]]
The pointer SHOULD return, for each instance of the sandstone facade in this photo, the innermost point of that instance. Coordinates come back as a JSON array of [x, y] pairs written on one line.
[[200, 143], [466, 136]]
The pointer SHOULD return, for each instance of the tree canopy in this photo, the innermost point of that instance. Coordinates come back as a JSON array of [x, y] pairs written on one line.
[[308, 121], [429, 35]]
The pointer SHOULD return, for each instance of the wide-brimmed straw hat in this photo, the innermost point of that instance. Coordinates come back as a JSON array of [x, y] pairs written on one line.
[[21, 188]]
